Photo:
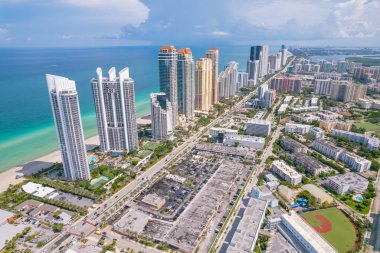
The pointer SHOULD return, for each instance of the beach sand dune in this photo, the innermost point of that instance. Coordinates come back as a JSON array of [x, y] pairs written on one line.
[[9, 177]]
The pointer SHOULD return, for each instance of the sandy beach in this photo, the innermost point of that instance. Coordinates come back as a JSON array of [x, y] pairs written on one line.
[[9, 177]]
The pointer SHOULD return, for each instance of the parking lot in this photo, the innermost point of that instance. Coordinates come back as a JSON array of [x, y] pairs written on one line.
[[183, 182], [198, 208]]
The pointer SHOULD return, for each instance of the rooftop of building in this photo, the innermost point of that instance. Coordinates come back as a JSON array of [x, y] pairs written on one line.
[[328, 145], [292, 142], [259, 121], [316, 191], [286, 168], [153, 199], [309, 234], [242, 234], [167, 49], [246, 138], [37, 190], [349, 178], [184, 51]]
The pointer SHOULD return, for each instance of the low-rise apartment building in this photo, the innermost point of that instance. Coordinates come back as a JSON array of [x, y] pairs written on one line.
[[292, 145], [286, 172], [347, 183]]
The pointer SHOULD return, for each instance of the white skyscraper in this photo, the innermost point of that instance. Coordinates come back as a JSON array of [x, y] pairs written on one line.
[[228, 79], [161, 114], [114, 99], [65, 105]]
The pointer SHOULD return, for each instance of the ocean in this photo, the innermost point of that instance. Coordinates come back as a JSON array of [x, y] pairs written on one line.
[[26, 122]]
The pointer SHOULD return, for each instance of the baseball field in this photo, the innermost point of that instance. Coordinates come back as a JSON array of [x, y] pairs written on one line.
[[334, 226]]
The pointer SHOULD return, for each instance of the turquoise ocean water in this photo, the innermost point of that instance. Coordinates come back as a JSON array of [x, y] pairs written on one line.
[[26, 123]]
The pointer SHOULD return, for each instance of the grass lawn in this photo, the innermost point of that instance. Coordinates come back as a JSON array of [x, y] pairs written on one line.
[[143, 153], [149, 145], [368, 126], [358, 207], [342, 235]]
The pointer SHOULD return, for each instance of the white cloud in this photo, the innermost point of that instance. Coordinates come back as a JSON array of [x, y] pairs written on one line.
[[357, 18], [132, 12], [3, 31], [66, 37], [220, 34]]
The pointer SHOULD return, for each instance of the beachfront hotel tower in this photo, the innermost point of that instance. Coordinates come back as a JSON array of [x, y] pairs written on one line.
[[167, 68], [203, 84], [161, 114], [261, 54], [114, 99], [186, 82], [65, 105], [213, 54]]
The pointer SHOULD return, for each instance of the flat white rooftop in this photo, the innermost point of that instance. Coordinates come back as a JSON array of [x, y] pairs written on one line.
[[308, 233]]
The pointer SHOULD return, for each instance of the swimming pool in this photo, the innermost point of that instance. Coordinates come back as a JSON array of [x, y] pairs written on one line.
[[92, 159], [92, 166], [358, 198]]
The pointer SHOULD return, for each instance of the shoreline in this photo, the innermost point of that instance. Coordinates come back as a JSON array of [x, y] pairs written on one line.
[[8, 177]]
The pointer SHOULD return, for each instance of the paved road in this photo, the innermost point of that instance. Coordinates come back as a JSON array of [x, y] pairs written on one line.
[[374, 241]]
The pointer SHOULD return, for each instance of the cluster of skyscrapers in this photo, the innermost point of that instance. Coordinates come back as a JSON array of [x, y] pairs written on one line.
[[185, 88], [114, 100]]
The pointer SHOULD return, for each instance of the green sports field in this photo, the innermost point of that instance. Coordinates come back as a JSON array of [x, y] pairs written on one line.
[[341, 234], [368, 126]]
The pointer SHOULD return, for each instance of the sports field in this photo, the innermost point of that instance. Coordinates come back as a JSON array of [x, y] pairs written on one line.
[[334, 226], [368, 126]]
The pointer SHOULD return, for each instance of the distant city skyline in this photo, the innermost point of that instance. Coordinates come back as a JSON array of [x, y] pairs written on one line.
[[92, 23]]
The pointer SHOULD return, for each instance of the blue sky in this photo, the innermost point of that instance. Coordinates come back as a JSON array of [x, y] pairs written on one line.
[[67, 23]]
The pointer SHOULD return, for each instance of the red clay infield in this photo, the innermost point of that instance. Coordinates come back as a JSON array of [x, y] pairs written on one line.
[[326, 225]]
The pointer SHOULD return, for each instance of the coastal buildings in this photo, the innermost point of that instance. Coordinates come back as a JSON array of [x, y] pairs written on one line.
[[161, 114], [285, 172], [261, 54], [186, 82], [227, 81], [347, 183], [253, 71], [258, 127], [284, 55], [65, 105], [167, 69], [242, 80], [213, 54], [203, 84], [114, 99], [286, 84]]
